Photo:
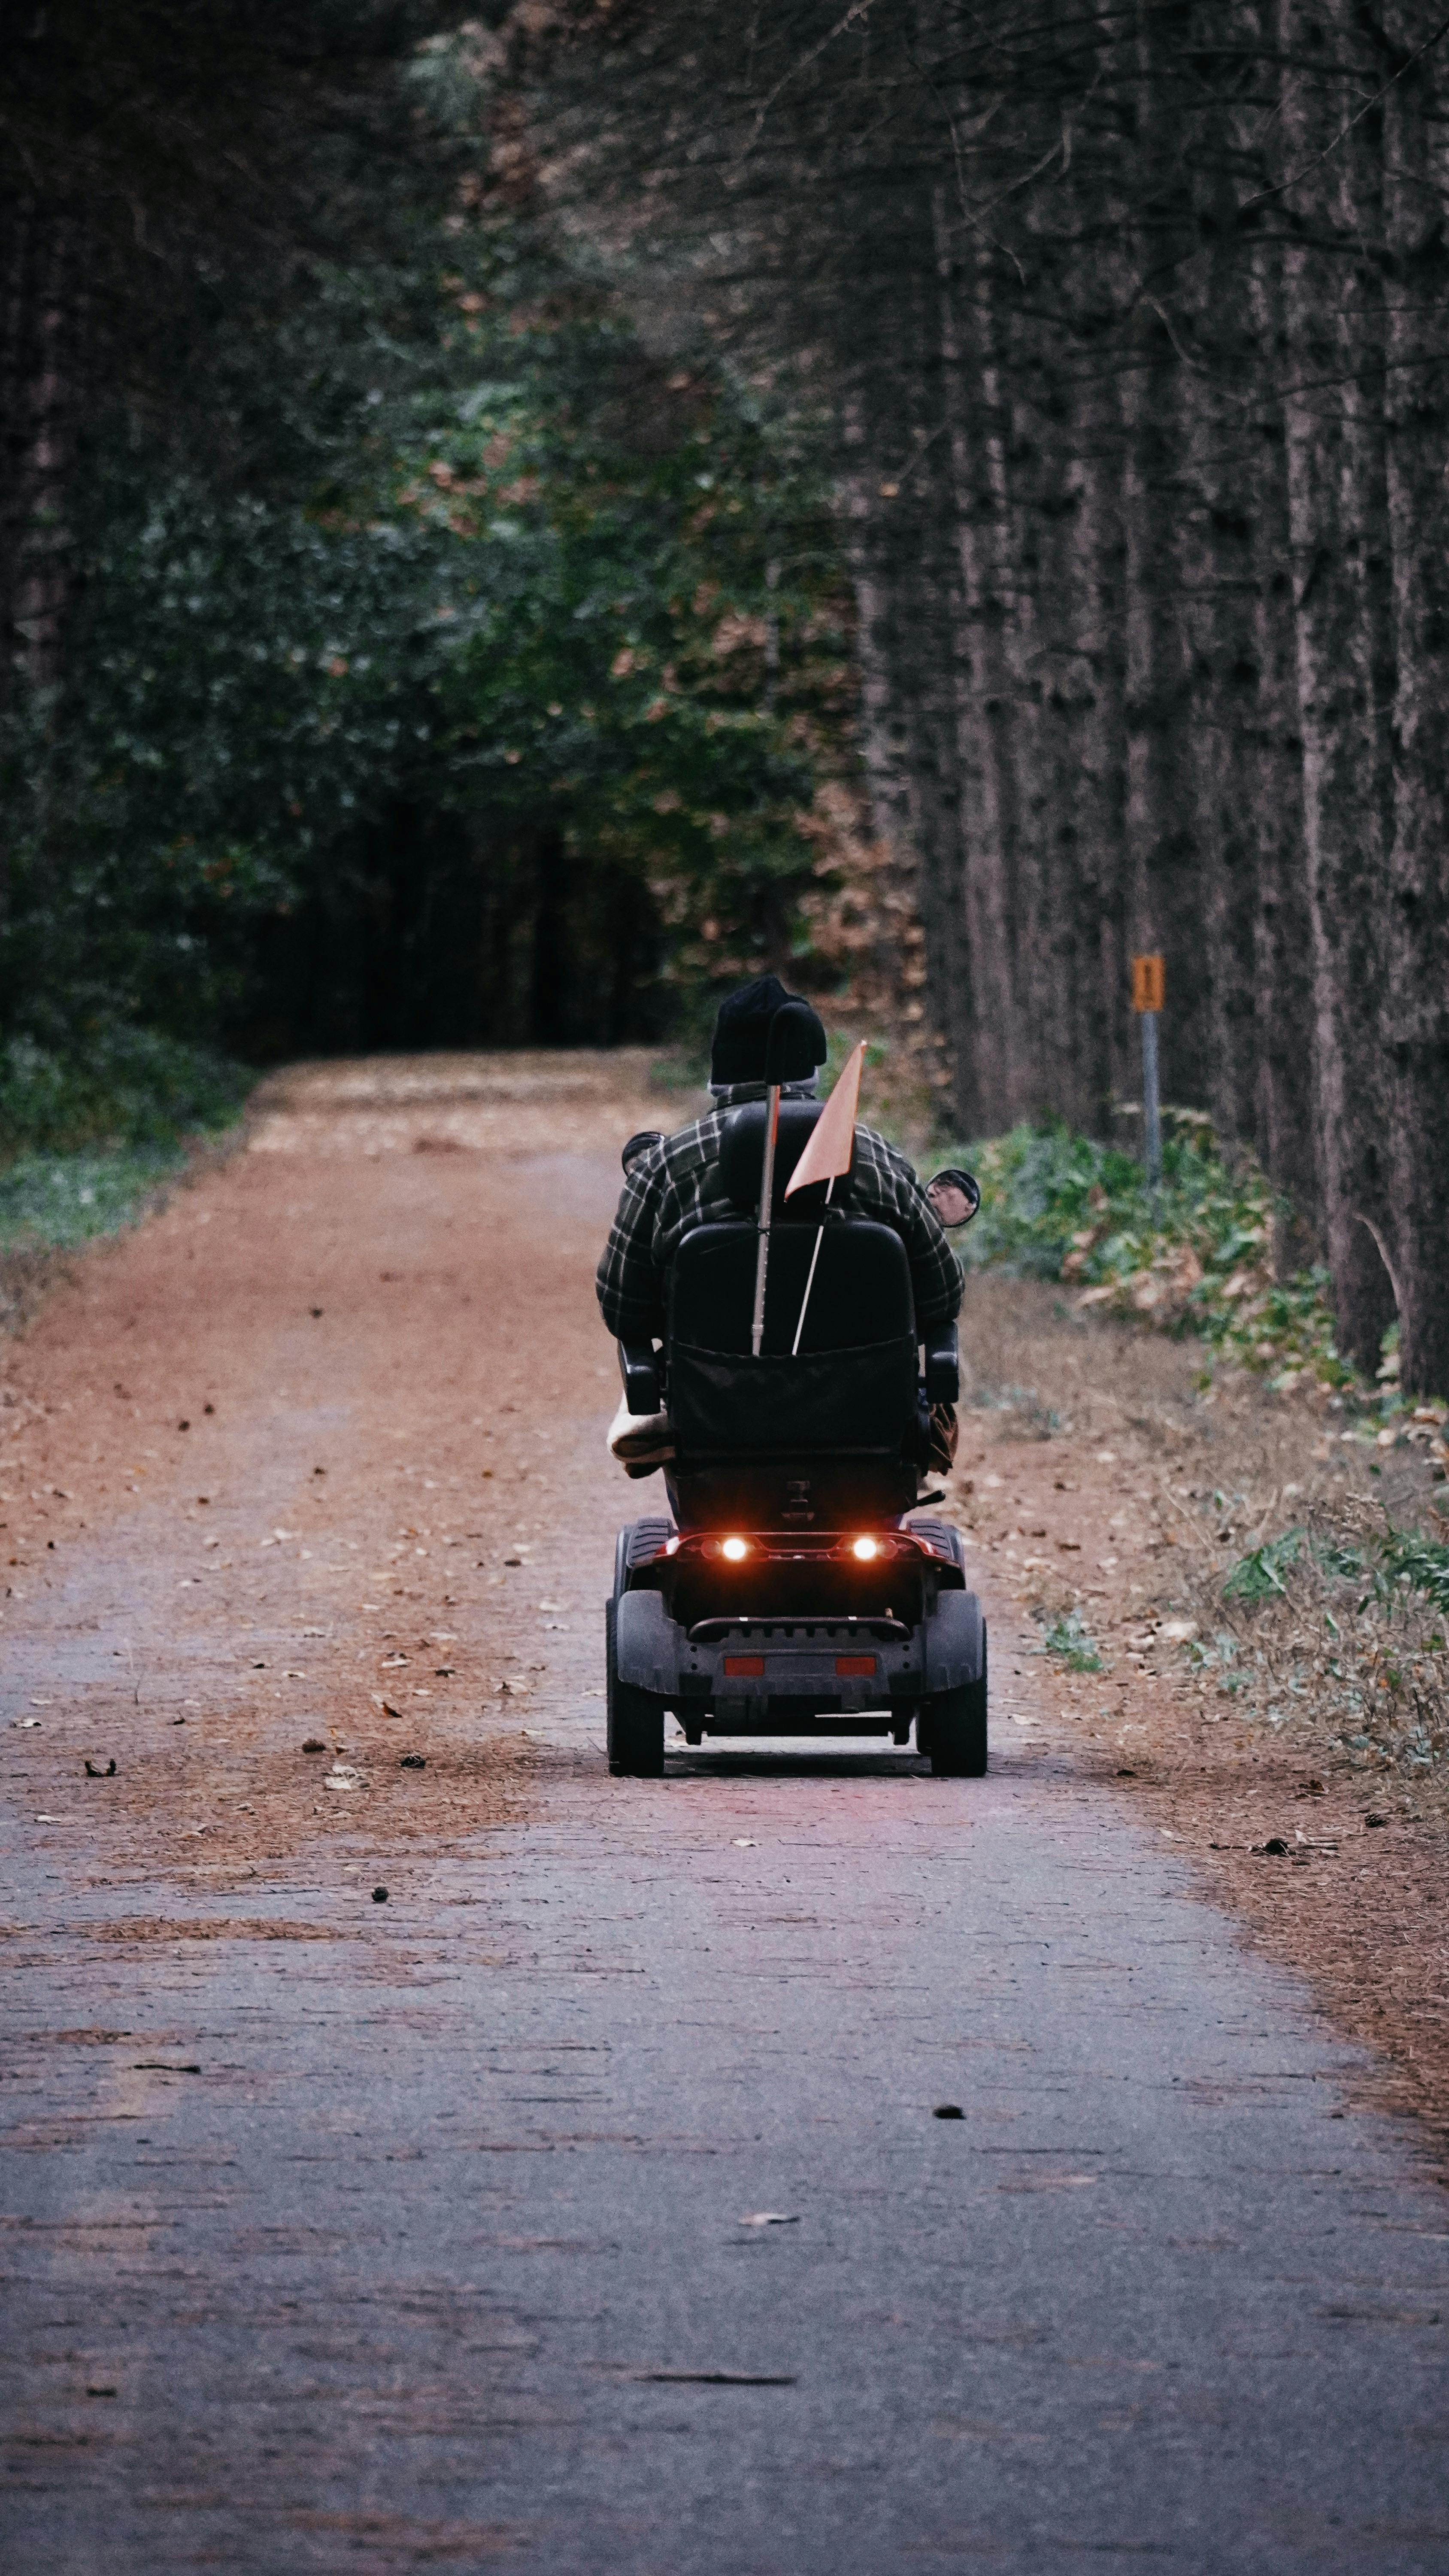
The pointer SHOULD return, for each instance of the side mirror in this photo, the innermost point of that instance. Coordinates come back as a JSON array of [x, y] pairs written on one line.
[[955, 1195], [640, 1144]]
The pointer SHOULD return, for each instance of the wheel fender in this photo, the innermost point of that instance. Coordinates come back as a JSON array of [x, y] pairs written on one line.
[[646, 1643], [953, 1642]]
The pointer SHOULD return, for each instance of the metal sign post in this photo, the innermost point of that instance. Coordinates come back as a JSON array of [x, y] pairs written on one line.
[[1149, 983]]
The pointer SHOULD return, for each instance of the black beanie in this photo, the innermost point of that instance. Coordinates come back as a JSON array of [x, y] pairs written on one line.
[[742, 1031]]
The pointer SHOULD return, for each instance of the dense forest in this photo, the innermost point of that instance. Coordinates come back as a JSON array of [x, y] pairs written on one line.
[[487, 499], [403, 650], [1133, 326]]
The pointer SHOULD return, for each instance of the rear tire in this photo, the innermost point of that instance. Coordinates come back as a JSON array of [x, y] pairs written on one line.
[[956, 1728], [635, 1717]]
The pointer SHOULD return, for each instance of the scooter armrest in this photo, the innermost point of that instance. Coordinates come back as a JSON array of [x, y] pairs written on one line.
[[943, 1369], [639, 1368]]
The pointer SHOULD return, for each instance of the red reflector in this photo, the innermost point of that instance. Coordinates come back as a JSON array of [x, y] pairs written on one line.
[[855, 1663], [747, 1665]]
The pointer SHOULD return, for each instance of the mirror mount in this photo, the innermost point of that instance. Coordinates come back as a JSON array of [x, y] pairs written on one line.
[[640, 1144]]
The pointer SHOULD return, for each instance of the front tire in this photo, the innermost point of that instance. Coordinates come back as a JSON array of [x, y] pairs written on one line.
[[956, 1728], [635, 1718]]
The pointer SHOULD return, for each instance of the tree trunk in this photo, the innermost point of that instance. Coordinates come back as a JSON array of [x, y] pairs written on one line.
[[1414, 906], [1337, 504]]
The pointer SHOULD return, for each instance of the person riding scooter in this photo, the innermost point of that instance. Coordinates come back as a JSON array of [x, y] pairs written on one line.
[[672, 1184]]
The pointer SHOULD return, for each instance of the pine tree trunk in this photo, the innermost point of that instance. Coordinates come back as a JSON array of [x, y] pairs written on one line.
[[1413, 905], [1337, 503]]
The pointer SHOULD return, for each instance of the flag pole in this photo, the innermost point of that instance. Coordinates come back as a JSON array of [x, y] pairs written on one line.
[[810, 1280], [797, 1018], [767, 1202]]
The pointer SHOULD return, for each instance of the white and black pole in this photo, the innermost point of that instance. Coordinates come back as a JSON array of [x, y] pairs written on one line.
[[767, 1202], [791, 1016]]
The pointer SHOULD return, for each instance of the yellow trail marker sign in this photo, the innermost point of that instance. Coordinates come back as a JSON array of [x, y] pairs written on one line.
[[1149, 984]]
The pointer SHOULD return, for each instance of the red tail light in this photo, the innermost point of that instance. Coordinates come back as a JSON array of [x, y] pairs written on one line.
[[855, 1665], [749, 1667]]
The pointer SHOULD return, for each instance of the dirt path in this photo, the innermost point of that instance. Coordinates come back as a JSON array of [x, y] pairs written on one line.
[[582, 2205], [289, 1465]]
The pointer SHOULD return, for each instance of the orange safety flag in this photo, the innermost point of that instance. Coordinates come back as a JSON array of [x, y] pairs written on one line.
[[831, 1141]]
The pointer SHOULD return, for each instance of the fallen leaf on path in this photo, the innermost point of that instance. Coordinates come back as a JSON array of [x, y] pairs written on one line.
[[342, 1776], [770, 2218], [101, 1771], [413, 1762], [745, 1842]]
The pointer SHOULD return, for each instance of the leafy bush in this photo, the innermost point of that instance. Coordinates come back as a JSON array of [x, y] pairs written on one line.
[[116, 1086], [1260, 1575], [57, 1202], [1196, 1256], [1414, 1563]]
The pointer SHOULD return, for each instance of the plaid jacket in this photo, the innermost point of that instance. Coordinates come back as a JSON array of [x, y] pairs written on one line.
[[676, 1186]]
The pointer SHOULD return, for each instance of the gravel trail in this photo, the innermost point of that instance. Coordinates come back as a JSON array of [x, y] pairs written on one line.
[[585, 2204]]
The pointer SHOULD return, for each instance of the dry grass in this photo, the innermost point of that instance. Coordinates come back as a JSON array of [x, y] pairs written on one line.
[[25, 1278], [1111, 1492], [1285, 1536]]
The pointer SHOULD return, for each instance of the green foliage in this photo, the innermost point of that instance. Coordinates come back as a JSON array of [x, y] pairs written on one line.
[[57, 1202], [1343, 1624], [1417, 1564], [1071, 1642], [1196, 1258], [501, 603], [117, 1086], [1259, 1576]]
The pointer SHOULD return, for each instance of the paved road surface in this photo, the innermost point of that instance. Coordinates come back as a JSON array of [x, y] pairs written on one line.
[[443, 2248]]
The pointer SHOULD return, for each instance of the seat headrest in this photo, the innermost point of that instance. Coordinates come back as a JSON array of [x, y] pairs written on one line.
[[742, 1155]]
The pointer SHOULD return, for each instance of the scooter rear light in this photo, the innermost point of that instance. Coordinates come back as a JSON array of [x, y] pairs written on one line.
[[864, 1549], [735, 1549]]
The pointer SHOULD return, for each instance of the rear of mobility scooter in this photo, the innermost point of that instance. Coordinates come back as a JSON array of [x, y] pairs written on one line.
[[794, 1590]]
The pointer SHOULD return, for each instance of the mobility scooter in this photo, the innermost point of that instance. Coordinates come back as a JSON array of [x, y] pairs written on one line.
[[794, 1589]]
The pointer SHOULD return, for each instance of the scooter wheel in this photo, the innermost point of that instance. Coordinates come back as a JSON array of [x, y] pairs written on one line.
[[956, 1730], [635, 1718]]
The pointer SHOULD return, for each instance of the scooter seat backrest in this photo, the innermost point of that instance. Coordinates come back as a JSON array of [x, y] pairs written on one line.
[[861, 1290], [742, 1155], [852, 1385]]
